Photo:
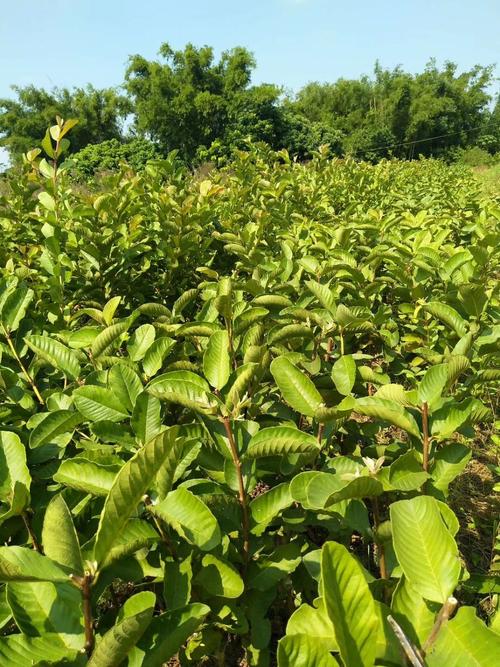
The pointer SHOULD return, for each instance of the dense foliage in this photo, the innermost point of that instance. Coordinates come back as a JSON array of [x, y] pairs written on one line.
[[206, 109], [233, 407]]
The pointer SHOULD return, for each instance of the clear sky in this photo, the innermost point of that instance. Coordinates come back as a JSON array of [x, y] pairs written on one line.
[[72, 42]]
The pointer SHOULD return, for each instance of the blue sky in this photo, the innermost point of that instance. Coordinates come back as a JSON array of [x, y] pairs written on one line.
[[71, 42]]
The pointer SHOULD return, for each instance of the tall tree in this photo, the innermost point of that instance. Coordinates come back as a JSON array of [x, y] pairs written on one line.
[[24, 120]]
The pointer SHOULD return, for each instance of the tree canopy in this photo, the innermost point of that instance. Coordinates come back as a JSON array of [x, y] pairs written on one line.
[[203, 107]]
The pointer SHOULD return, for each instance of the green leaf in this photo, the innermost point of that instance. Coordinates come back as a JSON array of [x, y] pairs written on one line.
[[303, 651], [183, 387], [22, 564], [15, 306], [465, 641], [344, 374], [406, 473], [323, 294], [15, 478], [448, 315], [54, 424], [99, 404], [106, 338], [414, 614], [156, 354], [425, 548], [116, 644], [146, 417], [41, 607], [266, 507], [140, 342], [281, 441], [56, 354], [315, 623], [177, 576], [59, 538], [219, 578], [216, 360], [432, 384], [23, 651], [109, 310], [129, 486], [125, 384], [296, 388], [389, 411], [349, 604], [167, 633], [86, 476], [190, 517], [449, 462]]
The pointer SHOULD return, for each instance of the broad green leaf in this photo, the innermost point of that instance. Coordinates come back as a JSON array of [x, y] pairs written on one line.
[[344, 374], [115, 645], [56, 354], [177, 576], [140, 342], [106, 338], [54, 424], [136, 535], [216, 360], [14, 307], [128, 488], [41, 607], [432, 384], [59, 537], [296, 388], [146, 417], [166, 634], [360, 487], [218, 577], [125, 384], [15, 478], [190, 517], [323, 294], [265, 573], [185, 388], [304, 651], [449, 462], [109, 310], [389, 411], [448, 315], [51, 649], [281, 441], [414, 614], [349, 604], [86, 476], [266, 507], [314, 622], [465, 641], [156, 355], [23, 564], [99, 404], [425, 548], [406, 473]]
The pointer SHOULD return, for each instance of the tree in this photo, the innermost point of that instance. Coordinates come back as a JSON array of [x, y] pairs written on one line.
[[23, 121]]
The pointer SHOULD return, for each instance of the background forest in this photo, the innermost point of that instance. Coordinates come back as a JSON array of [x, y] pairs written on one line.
[[205, 108]]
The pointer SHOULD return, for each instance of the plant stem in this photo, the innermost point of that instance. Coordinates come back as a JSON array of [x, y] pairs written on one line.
[[444, 614], [28, 377], [321, 428], [242, 496], [341, 342], [87, 614], [379, 547], [410, 651], [329, 349], [425, 428], [29, 528]]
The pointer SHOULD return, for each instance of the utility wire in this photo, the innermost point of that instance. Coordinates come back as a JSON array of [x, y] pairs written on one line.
[[420, 141]]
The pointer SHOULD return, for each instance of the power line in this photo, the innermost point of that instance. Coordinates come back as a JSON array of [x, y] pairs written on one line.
[[420, 141]]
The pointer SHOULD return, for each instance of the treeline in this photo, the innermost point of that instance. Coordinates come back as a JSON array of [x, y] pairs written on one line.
[[206, 108]]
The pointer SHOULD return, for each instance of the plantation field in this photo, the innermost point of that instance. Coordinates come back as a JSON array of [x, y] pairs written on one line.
[[248, 414]]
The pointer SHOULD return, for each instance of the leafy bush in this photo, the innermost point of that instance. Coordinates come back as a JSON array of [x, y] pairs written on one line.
[[255, 465], [109, 155]]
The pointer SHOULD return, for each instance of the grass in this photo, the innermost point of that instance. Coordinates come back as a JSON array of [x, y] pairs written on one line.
[[489, 176]]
